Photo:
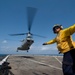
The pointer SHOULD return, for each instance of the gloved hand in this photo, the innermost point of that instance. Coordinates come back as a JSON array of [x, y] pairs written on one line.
[[44, 44]]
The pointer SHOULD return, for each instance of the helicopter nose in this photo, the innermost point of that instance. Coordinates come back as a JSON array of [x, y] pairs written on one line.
[[28, 40], [18, 48]]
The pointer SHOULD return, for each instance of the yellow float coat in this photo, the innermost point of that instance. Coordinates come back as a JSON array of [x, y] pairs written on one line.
[[64, 40]]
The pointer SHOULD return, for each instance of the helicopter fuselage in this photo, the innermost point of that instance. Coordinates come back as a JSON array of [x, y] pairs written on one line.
[[26, 45]]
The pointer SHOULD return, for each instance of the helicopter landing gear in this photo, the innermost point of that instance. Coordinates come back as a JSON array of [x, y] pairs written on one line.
[[17, 50], [27, 50]]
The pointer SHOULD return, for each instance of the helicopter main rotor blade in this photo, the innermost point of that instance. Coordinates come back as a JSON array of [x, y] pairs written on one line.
[[31, 11], [17, 34], [11, 40], [39, 35]]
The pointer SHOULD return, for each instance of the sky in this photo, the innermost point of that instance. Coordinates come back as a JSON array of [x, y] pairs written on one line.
[[13, 19]]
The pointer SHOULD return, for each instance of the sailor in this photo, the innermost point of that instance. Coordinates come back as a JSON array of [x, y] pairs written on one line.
[[65, 45]]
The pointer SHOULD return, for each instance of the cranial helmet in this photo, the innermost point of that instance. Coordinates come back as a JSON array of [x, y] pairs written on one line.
[[57, 26]]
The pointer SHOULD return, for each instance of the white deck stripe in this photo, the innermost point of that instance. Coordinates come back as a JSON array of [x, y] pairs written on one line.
[[46, 64], [5, 59], [57, 59]]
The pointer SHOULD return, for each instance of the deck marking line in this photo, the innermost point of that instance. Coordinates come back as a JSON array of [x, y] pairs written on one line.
[[45, 64], [57, 59], [5, 59]]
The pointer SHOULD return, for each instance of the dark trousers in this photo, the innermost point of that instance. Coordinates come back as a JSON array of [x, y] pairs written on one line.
[[68, 64]]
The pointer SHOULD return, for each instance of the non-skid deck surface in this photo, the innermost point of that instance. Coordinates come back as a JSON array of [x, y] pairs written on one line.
[[35, 65]]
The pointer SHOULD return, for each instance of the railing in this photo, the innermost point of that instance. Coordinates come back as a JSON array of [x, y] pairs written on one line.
[[4, 60]]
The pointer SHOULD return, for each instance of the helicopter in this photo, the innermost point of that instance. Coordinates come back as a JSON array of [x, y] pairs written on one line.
[[31, 11]]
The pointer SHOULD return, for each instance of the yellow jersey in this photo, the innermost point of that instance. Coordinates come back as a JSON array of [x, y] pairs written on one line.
[[64, 40]]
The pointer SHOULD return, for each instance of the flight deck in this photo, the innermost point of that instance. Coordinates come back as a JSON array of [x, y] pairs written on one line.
[[35, 65]]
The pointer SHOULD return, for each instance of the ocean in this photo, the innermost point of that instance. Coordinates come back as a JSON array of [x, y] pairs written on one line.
[[2, 56]]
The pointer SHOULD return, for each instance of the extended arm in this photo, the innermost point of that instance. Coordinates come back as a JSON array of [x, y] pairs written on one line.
[[69, 31], [50, 42]]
